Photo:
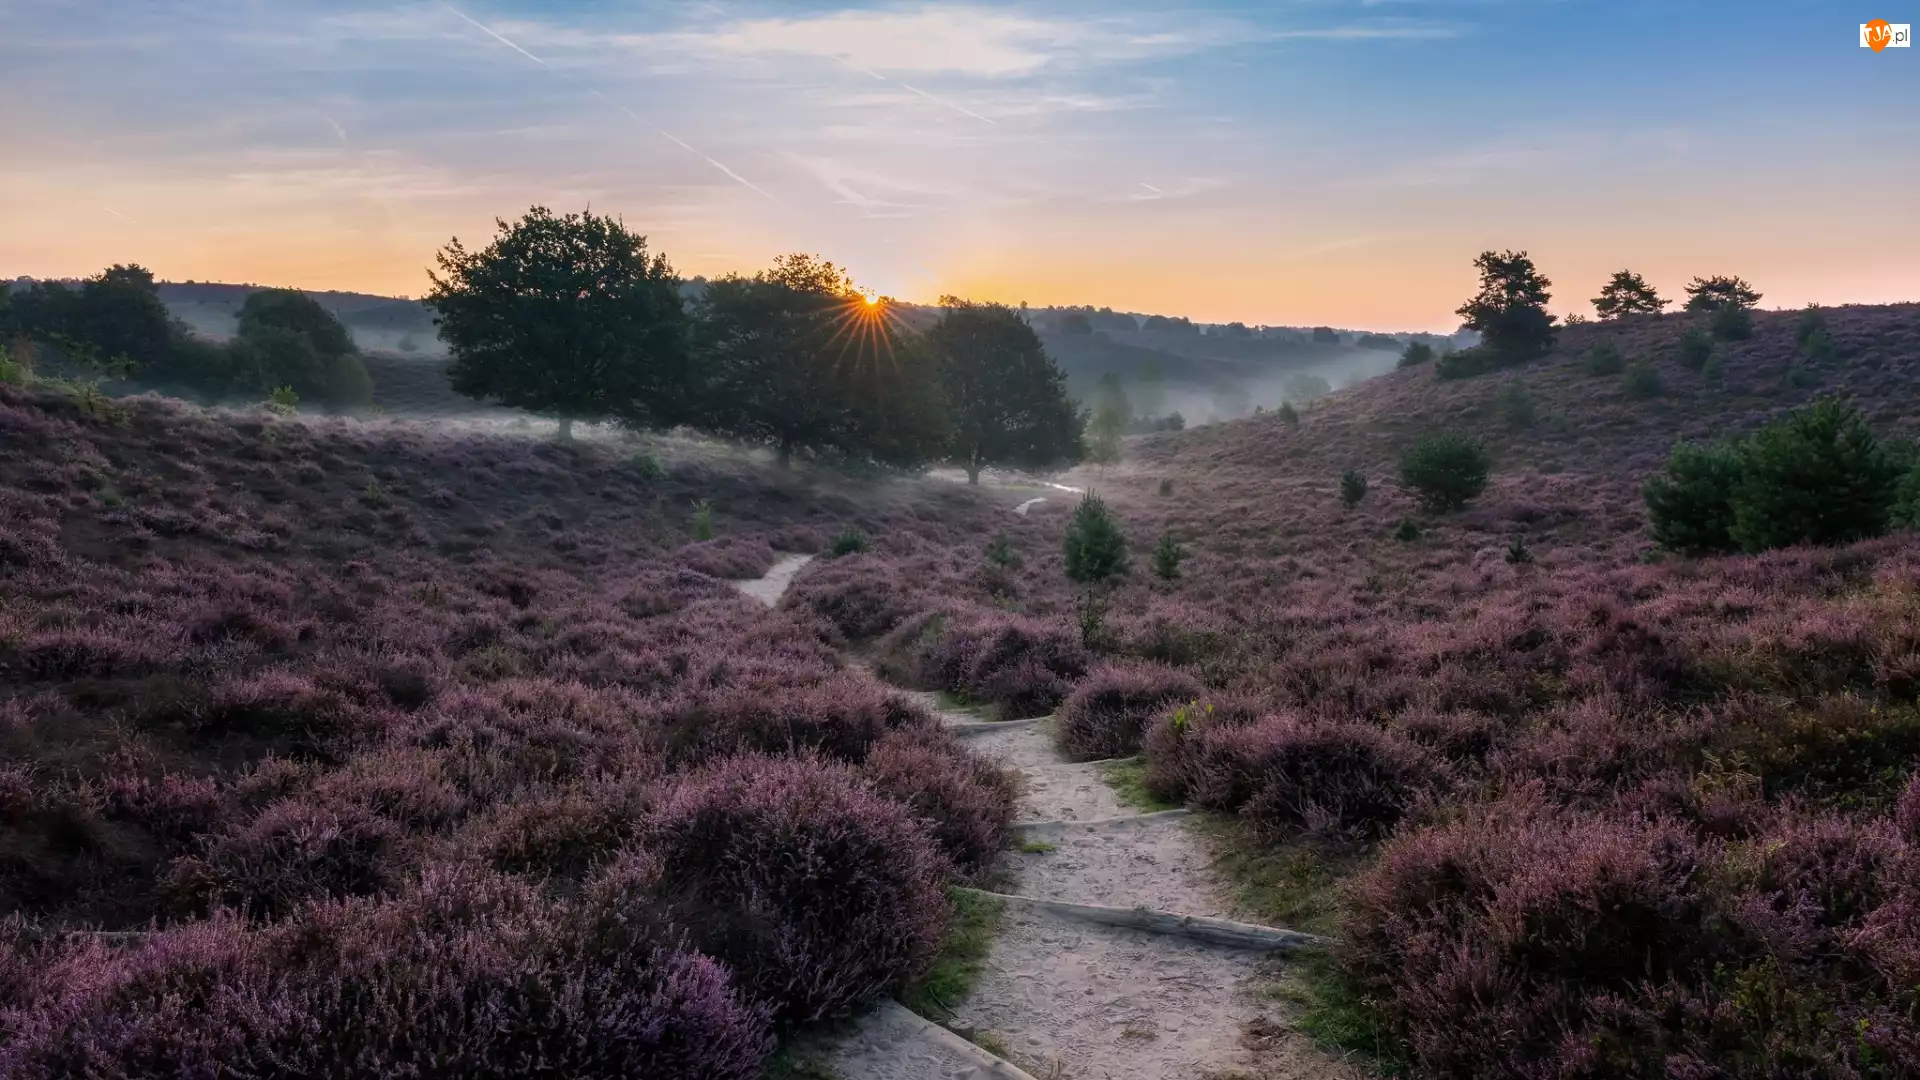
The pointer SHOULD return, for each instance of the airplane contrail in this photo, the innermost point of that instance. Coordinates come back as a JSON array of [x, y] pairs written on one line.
[[114, 212], [940, 101], [1151, 188], [335, 124], [490, 32]]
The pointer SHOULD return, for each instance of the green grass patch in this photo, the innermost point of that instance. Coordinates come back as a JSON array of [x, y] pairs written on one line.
[[786, 1065], [963, 951], [1127, 778], [1026, 845], [948, 701], [1299, 888]]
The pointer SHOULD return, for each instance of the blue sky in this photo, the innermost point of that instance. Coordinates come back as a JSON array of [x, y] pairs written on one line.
[[1291, 162]]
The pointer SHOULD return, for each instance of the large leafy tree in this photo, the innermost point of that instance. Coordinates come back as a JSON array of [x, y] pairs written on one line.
[[291, 309], [568, 316], [1510, 310], [796, 358], [1006, 397], [1719, 292], [1627, 293]]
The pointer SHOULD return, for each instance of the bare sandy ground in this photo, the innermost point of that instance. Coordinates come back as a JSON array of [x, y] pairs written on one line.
[[768, 590]]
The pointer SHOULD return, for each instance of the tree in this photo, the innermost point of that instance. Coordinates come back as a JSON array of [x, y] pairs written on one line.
[[1690, 506], [1627, 293], [1303, 387], [1446, 471], [1095, 549], [1715, 293], [1074, 322], [119, 314], [1111, 416], [797, 358], [1167, 556], [1817, 476], [1006, 397], [566, 316], [291, 309], [1353, 488], [1326, 335], [1510, 310], [1417, 353]]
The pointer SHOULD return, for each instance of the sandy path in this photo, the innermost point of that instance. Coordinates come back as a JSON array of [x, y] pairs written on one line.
[[768, 590], [1065, 999]]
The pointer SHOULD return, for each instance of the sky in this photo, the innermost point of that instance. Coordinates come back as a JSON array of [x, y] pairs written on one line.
[[1290, 162]]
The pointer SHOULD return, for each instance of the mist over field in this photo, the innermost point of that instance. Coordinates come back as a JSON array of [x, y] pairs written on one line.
[[842, 540]]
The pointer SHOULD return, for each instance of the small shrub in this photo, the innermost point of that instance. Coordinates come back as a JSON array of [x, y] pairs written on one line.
[[1416, 354], [1819, 346], [1641, 381], [1906, 500], [1107, 714], [1604, 358], [1695, 348], [1000, 552], [1517, 552], [1166, 485], [646, 466], [1285, 777], [1167, 555], [1447, 471], [283, 399], [1817, 476], [1799, 378], [12, 372], [851, 541], [1515, 406], [813, 890], [1095, 548], [1288, 414], [1467, 363], [1690, 507], [1407, 531], [1733, 323], [1353, 488], [702, 520], [1812, 321]]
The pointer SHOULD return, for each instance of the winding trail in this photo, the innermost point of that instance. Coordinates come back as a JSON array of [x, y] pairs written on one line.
[[1066, 994]]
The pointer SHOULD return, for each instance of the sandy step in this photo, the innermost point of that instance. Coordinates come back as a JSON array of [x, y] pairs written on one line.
[[1018, 745], [1100, 1003], [1152, 862]]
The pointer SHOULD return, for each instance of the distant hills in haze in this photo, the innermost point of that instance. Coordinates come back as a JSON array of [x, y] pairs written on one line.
[[1206, 372]]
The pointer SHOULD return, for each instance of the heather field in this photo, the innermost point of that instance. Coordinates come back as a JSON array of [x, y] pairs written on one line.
[[457, 739], [363, 748], [1589, 810]]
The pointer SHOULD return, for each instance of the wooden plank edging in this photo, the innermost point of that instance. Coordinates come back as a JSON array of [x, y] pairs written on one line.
[[992, 1066], [1094, 823], [1199, 927]]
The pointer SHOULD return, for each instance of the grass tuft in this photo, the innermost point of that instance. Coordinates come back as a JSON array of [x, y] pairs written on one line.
[[963, 952], [1127, 778]]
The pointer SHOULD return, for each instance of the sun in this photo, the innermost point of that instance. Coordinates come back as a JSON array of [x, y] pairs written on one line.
[[873, 300]]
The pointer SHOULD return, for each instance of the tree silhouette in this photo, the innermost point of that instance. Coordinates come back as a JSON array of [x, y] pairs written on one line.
[[1719, 292], [1510, 310], [566, 316], [1627, 293], [1007, 399]]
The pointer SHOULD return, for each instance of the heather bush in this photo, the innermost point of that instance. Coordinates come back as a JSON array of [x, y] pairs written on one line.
[[1690, 506], [1108, 712], [1167, 556], [1641, 382], [1353, 488], [839, 718], [1604, 358], [1174, 733], [1817, 476], [965, 802], [813, 890], [1445, 470], [1026, 666], [296, 850], [1288, 414], [1337, 782], [1695, 349]]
